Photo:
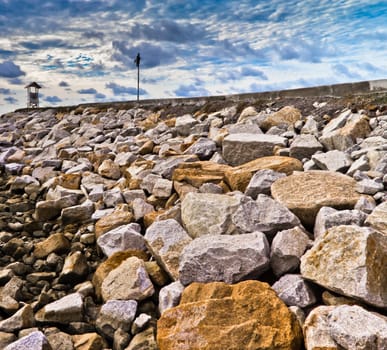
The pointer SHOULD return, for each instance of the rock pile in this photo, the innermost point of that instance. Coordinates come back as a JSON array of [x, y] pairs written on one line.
[[241, 227]]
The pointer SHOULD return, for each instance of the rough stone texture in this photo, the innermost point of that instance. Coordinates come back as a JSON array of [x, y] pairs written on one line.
[[144, 340], [239, 177], [125, 237], [333, 161], [23, 318], [261, 182], [166, 240], [378, 218], [65, 310], [350, 260], [111, 221], [109, 169], [294, 291], [89, 341], [304, 146], [207, 213], [305, 193], [78, 213], [229, 259], [242, 148], [170, 295], [352, 327], [328, 217], [286, 250], [75, 268], [316, 330], [56, 243], [33, 341], [116, 314], [247, 316], [287, 116], [59, 340], [128, 281]]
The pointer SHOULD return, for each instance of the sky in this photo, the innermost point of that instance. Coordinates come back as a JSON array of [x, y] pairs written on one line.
[[83, 51]]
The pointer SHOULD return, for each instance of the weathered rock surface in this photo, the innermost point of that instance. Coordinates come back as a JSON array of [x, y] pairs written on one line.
[[350, 260], [247, 257], [247, 315]]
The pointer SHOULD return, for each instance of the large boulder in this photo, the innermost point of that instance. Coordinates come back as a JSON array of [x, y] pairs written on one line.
[[287, 115], [304, 193], [224, 258], [378, 218], [351, 261], [218, 316]]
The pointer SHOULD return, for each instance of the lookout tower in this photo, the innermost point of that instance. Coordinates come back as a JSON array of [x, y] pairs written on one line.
[[33, 95]]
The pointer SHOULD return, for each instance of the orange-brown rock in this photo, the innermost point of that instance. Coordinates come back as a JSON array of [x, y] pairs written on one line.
[[287, 115], [239, 177], [304, 193], [70, 181], [89, 341], [111, 221], [219, 316], [56, 243], [110, 264], [183, 188]]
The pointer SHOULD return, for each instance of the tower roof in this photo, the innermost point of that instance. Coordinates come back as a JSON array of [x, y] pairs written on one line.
[[33, 84]]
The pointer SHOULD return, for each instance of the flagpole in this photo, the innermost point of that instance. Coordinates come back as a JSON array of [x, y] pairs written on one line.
[[137, 61]]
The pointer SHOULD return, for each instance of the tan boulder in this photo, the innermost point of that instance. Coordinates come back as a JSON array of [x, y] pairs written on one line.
[[56, 243], [239, 177], [287, 115], [378, 218], [70, 181], [305, 193], [111, 221], [218, 316], [109, 169], [89, 341]]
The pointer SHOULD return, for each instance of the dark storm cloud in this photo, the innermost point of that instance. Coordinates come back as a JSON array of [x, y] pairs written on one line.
[[8, 69], [152, 55]]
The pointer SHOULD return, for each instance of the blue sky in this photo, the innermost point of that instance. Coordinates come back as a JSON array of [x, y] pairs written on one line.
[[83, 50]]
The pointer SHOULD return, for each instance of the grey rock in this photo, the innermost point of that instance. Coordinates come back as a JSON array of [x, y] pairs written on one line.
[[368, 186], [224, 258], [360, 164], [166, 240], [209, 187], [170, 295], [162, 188], [33, 341], [131, 195], [246, 128], [261, 182], [166, 167], [328, 217], [204, 148], [304, 146], [149, 181], [116, 314], [310, 126], [366, 204], [242, 148], [352, 327], [144, 340], [140, 323], [141, 208], [23, 318], [332, 161], [112, 198], [294, 291], [122, 238], [97, 192], [65, 310], [78, 213], [184, 124], [286, 250]]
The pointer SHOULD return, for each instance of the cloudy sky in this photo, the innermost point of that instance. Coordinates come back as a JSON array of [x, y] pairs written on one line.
[[83, 50]]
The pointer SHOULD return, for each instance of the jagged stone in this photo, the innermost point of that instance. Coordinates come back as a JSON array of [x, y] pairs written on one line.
[[349, 260], [56, 243], [204, 148], [111, 221], [112, 198], [286, 250], [59, 340], [304, 146], [378, 218], [141, 208], [35, 340], [144, 340], [79, 213], [333, 161], [121, 238], [184, 124], [261, 182], [140, 323], [170, 295], [127, 281], [287, 116], [229, 259], [162, 188], [305, 193], [166, 240], [294, 291], [75, 268], [23, 318], [242, 148], [248, 315], [89, 341]]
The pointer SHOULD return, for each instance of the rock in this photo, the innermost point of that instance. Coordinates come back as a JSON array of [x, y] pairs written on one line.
[[286, 250], [6, 339], [350, 260], [184, 124], [116, 314], [109, 169], [333, 161], [261, 182], [89, 341], [328, 217], [144, 340], [75, 268], [112, 198], [239, 177], [157, 274], [111, 221], [78, 213], [368, 186], [162, 188], [59, 340], [166, 240], [167, 167], [204, 148], [316, 330], [294, 291], [33, 341], [242, 148], [352, 327], [141, 208], [56, 243], [65, 310], [378, 218], [129, 281], [140, 323], [305, 193], [23, 318], [247, 315], [285, 116], [125, 237], [360, 164], [229, 259], [207, 213], [170, 296], [10, 294]]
